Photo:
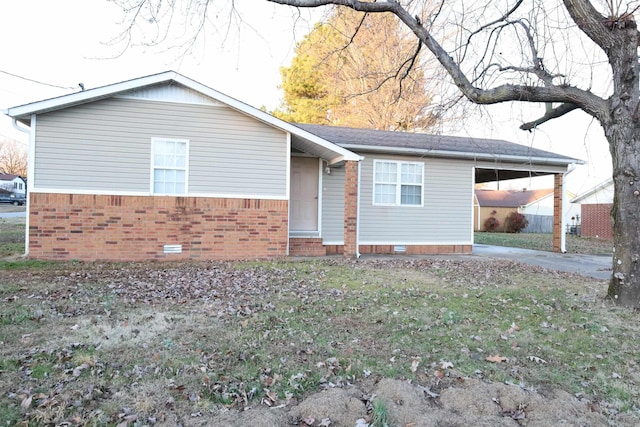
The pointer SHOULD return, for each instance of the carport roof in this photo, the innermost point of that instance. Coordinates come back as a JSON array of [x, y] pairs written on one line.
[[367, 140], [496, 160]]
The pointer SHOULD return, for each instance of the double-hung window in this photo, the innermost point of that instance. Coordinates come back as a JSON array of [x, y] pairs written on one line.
[[397, 183], [169, 161]]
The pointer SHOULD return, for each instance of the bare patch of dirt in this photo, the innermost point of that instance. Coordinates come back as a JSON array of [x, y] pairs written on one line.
[[468, 402]]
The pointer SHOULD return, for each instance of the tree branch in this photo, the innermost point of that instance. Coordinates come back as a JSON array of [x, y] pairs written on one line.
[[487, 25], [592, 104], [538, 66], [591, 22], [355, 33], [551, 114], [529, 70], [361, 6], [409, 63]]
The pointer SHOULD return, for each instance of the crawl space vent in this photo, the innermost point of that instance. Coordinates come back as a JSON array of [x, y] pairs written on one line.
[[400, 248], [172, 249]]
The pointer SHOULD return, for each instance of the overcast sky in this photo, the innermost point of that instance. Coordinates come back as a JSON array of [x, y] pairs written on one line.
[[48, 47], [63, 43]]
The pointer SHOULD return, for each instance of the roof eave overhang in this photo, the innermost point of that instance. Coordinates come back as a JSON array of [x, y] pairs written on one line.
[[340, 154], [465, 155], [23, 112]]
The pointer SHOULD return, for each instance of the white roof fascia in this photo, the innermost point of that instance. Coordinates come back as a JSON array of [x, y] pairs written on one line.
[[595, 189], [90, 95], [463, 155]]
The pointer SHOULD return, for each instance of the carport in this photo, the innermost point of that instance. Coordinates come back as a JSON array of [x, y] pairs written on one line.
[[559, 167]]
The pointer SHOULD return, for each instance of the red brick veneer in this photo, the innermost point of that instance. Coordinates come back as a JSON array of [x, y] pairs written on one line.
[[410, 249], [596, 220], [135, 228], [416, 249], [306, 246]]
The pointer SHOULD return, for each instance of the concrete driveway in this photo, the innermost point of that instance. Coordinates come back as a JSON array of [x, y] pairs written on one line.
[[596, 266]]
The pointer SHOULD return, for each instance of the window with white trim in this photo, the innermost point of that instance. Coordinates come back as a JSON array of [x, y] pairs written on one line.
[[397, 183], [169, 165]]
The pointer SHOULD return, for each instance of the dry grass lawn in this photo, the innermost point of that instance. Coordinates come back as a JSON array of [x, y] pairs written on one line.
[[424, 342], [544, 242]]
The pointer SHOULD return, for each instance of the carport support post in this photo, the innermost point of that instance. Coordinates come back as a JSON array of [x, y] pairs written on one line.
[[558, 238], [351, 209]]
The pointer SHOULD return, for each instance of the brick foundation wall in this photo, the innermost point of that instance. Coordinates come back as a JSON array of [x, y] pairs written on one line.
[[334, 249], [416, 249], [135, 228], [410, 249], [596, 220], [303, 246]]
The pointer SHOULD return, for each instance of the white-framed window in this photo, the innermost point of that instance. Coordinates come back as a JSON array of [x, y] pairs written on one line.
[[169, 165], [397, 183]]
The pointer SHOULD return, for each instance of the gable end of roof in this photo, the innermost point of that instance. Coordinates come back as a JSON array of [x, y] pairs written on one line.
[[23, 112]]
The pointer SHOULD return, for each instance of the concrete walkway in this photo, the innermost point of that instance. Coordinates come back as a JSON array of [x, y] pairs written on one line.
[[13, 215], [10, 211], [596, 266]]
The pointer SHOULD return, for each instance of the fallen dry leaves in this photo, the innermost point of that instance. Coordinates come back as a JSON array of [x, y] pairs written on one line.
[[79, 379]]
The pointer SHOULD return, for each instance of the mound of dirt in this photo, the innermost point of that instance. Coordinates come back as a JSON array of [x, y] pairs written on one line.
[[467, 402]]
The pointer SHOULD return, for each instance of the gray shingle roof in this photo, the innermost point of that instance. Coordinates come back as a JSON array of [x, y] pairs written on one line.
[[7, 176], [425, 144]]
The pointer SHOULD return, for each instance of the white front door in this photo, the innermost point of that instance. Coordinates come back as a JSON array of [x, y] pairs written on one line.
[[304, 194]]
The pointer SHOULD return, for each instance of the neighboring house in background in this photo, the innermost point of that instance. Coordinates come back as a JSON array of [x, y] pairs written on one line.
[[595, 206], [167, 168], [13, 183], [536, 205]]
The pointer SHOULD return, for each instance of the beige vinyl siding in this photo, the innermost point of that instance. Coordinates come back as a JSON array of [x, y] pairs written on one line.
[[446, 216], [333, 206], [106, 146]]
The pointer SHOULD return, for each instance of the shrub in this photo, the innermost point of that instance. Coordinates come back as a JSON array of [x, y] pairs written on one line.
[[491, 224], [515, 223]]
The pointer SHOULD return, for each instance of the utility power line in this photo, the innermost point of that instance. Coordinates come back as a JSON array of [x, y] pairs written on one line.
[[35, 81]]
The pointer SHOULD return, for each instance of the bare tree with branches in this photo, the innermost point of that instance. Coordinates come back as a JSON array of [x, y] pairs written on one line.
[[13, 158], [564, 54], [522, 52]]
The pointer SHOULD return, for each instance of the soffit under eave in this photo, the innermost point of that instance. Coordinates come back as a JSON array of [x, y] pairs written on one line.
[[333, 157], [489, 175], [542, 167]]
